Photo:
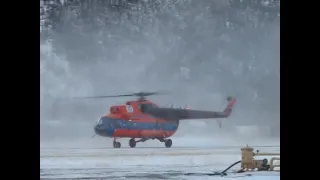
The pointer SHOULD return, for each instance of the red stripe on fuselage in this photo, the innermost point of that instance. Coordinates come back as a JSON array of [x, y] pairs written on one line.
[[142, 133]]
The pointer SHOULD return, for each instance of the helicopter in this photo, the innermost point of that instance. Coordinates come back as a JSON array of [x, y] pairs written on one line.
[[144, 120]]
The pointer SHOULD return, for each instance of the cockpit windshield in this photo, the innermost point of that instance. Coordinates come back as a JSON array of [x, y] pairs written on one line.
[[110, 122], [99, 121]]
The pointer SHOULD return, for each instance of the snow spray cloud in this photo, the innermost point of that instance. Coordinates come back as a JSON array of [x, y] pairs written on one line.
[[201, 51]]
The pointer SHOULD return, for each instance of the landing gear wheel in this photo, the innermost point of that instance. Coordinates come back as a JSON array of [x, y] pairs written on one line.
[[116, 144], [132, 143], [168, 143]]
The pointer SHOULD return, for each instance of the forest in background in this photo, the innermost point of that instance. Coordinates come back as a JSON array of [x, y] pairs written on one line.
[[227, 47]]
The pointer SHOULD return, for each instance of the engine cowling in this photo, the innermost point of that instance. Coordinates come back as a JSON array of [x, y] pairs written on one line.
[[143, 108], [115, 109]]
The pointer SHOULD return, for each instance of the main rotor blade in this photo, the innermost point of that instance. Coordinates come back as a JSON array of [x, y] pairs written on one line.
[[140, 94], [124, 95], [150, 93]]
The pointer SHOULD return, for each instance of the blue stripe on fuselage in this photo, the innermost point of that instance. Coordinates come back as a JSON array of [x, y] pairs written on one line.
[[110, 131], [135, 125]]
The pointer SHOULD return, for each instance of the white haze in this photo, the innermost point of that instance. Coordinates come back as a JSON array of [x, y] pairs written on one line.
[[174, 50]]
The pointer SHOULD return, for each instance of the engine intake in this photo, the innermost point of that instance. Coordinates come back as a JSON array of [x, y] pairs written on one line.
[[115, 109]]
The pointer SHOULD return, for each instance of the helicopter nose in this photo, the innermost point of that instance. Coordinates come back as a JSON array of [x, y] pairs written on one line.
[[98, 129], [103, 130]]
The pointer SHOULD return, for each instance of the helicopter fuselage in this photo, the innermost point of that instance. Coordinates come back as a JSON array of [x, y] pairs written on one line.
[[127, 121], [137, 126]]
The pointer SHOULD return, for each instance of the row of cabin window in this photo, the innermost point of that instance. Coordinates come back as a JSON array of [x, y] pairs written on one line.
[[114, 123]]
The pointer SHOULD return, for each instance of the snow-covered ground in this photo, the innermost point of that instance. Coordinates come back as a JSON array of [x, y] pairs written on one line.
[[147, 161]]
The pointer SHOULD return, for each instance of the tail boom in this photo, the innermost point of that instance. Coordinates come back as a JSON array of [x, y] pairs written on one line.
[[228, 110], [184, 114]]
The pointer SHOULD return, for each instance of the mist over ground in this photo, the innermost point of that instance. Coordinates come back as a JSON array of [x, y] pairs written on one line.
[[202, 51]]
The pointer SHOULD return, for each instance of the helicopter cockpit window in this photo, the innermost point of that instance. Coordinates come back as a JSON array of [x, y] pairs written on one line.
[[111, 122], [99, 122]]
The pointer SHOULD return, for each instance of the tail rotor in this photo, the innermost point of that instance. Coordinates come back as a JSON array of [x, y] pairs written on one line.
[[228, 110]]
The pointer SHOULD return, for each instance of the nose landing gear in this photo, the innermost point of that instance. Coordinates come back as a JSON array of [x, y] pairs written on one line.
[[116, 144]]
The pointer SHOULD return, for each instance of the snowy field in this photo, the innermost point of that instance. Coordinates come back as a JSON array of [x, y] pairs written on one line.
[[150, 160]]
